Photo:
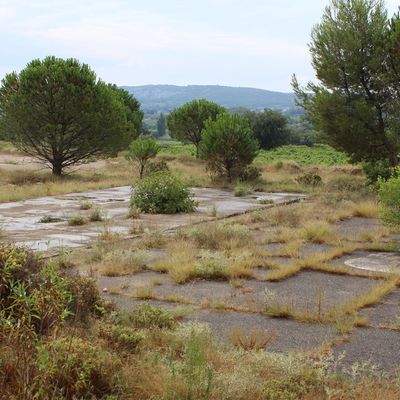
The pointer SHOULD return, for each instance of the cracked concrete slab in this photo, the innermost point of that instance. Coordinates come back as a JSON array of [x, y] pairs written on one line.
[[21, 219]]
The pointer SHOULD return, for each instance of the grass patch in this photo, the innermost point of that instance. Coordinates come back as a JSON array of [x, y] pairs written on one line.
[[77, 220], [319, 232], [219, 235], [123, 262]]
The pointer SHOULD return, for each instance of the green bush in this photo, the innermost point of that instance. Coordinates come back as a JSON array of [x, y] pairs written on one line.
[[147, 316], [377, 169], [162, 193], [228, 145], [309, 179], [85, 298], [250, 173], [73, 368], [345, 183], [141, 151], [33, 296], [389, 197], [122, 337], [156, 166], [242, 190]]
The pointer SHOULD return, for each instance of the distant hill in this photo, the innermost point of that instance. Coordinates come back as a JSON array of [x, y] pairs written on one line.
[[157, 98]]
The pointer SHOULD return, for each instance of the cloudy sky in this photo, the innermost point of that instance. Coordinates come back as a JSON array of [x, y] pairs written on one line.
[[255, 43]]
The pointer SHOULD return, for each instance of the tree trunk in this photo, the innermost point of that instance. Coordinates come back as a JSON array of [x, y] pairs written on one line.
[[197, 150], [141, 171], [57, 167]]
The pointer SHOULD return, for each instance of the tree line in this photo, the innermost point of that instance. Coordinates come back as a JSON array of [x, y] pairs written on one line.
[[59, 111]]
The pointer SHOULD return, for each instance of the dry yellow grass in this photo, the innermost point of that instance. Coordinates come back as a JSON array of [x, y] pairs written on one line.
[[371, 297], [180, 261], [367, 209], [123, 262], [116, 172], [319, 232]]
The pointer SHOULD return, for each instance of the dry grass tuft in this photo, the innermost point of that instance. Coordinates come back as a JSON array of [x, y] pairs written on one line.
[[367, 209], [254, 339], [319, 232], [180, 261], [220, 235], [123, 262]]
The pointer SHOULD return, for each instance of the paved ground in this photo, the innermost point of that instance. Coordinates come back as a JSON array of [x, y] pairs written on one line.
[[21, 220], [307, 290]]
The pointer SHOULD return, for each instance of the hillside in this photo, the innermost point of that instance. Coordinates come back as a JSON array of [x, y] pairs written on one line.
[[157, 98]]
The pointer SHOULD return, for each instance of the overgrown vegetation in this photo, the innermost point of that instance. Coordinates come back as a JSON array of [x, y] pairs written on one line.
[[162, 193]]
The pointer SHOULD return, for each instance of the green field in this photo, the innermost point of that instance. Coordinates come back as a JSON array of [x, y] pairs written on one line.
[[317, 155]]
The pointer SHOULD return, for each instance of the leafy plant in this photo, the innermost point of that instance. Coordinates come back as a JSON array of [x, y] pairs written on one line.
[[309, 179], [76, 220], [162, 193], [228, 145], [187, 123], [141, 151], [389, 197], [147, 316]]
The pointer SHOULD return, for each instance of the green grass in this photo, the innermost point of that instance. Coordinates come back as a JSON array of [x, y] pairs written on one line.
[[317, 155]]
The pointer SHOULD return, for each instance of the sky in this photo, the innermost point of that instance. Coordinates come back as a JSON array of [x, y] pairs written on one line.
[[252, 43]]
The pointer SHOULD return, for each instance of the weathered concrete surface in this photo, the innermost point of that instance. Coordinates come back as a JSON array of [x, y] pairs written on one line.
[[378, 347], [371, 261], [311, 291], [21, 220], [287, 335]]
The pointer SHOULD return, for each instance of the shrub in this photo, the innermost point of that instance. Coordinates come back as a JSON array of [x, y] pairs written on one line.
[[85, 205], [96, 215], [121, 337], [76, 220], [287, 388], [33, 296], [345, 183], [377, 169], [309, 179], [74, 368], [211, 266], [85, 300], [141, 151], [242, 190], [147, 316], [162, 193], [389, 197], [49, 219], [156, 166], [228, 146], [250, 173]]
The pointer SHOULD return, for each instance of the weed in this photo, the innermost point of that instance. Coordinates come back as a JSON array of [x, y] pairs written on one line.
[[123, 262], [242, 190], [49, 219], [220, 235], [319, 232], [85, 204], [96, 215], [255, 339], [76, 220], [143, 293], [147, 316]]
